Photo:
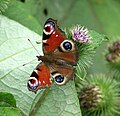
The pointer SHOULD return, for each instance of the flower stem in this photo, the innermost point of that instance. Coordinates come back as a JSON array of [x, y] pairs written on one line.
[[37, 105]]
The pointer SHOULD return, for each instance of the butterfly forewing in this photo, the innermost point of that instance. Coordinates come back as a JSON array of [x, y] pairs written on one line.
[[52, 36]]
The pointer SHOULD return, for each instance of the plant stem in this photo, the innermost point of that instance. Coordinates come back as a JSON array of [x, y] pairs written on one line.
[[39, 102]]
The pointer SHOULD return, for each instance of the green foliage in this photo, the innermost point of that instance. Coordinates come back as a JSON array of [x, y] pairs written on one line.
[[8, 105], [3, 5], [7, 100], [9, 111]]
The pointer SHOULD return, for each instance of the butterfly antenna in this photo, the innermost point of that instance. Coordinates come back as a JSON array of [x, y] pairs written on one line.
[[28, 62], [34, 47]]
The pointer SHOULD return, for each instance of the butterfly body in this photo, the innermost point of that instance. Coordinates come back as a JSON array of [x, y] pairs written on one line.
[[60, 57]]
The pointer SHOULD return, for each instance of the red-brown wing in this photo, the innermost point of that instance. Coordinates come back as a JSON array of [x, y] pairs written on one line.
[[52, 36], [53, 43], [62, 73], [69, 56], [40, 78], [64, 53], [44, 75]]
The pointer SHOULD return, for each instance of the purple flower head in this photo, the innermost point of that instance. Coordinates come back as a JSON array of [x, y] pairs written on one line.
[[80, 34]]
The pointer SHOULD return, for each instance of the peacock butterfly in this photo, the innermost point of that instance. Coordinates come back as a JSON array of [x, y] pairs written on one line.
[[60, 57]]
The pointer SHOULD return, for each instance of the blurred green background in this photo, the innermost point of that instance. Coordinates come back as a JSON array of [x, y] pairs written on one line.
[[102, 16]]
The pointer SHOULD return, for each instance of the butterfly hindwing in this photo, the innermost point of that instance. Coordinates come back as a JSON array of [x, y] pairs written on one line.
[[61, 73], [40, 78], [43, 76]]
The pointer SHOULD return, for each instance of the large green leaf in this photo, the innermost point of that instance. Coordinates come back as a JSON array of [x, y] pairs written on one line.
[[15, 50], [60, 100]]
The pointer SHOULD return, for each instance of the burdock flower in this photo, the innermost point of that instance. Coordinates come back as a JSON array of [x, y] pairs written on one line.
[[80, 34]]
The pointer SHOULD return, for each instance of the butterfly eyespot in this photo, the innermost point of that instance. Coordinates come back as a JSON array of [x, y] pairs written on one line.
[[67, 46], [59, 79], [32, 83], [49, 28]]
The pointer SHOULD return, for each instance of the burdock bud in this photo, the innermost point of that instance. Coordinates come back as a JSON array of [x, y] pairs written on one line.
[[114, 52], [90, 96]]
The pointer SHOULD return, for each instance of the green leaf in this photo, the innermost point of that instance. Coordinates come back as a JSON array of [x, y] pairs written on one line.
[[8, 105], [9, 111], [15, 51], [7, 100], [97, 39]]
